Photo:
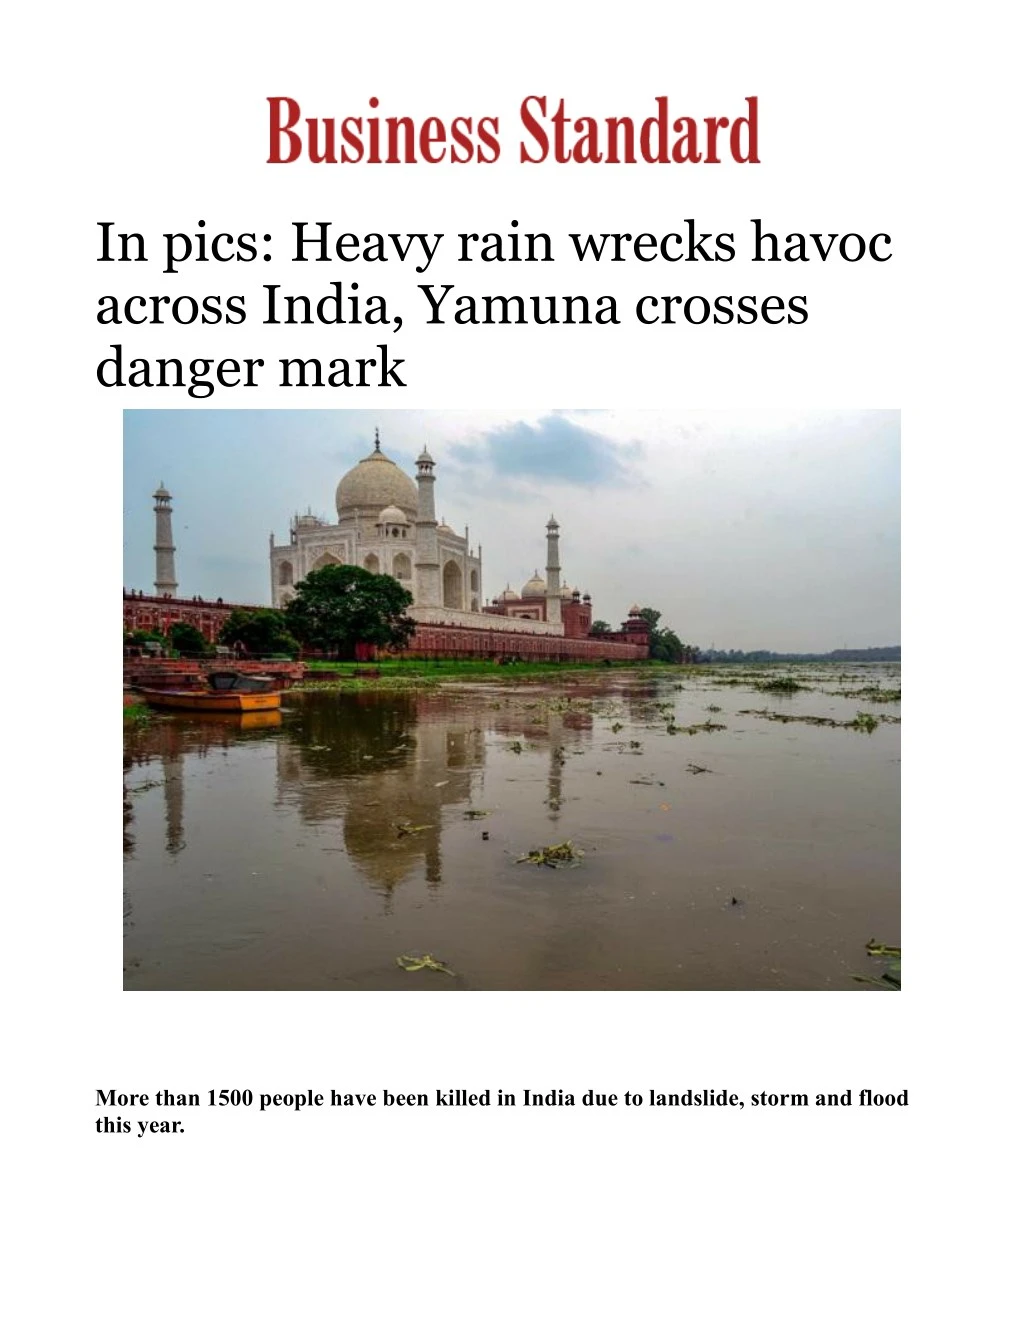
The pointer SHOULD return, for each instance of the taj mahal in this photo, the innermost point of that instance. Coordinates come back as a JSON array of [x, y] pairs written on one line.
[[387, 525]]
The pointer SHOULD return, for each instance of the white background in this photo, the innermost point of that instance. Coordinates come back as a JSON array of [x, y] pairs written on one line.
[[873, 117]]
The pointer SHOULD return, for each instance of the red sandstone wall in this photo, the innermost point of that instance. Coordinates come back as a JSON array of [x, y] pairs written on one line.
[[468, 642], [148, 612], [576, 619]]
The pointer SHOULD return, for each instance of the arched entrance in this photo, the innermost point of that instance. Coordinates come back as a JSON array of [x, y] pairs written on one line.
[[452, 583]]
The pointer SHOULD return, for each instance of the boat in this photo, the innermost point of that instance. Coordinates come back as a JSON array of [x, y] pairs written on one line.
[[213, 701], [224, 692]]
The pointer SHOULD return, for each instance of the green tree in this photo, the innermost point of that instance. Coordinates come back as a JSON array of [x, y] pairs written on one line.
[[187, 638], [666, 646], [338, 607], [600, 628], [259, 630]]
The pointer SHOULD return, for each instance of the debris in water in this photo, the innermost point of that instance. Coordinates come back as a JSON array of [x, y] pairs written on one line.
[[561, 854], [697, 768], [863, 722], [890, 977], [424, 963], [405, 829], [475, 814]]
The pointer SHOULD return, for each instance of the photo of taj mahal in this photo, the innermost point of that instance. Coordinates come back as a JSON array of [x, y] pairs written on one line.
[[628, 720]]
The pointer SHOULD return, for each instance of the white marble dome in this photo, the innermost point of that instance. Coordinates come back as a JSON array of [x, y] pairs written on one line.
[[374, 483], [392, 515], [534, 587]]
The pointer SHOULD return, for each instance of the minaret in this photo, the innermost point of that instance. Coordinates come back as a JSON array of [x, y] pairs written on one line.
[[428, 565], [166, 582], [553, 596]]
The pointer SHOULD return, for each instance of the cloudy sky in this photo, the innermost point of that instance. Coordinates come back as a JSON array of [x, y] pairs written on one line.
[[746, 529]]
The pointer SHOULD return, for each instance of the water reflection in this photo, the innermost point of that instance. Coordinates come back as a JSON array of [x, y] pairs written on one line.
[[307, 848], [383, 768]]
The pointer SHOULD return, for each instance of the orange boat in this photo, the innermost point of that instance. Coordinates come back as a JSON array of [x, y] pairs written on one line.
[[214, 701]]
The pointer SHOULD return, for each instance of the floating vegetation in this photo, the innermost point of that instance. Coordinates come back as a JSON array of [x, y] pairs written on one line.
[[890, 977], [616, 726], [863, 722], [559, 856], [137, 715], [780, 685], [873, 694], [714, 708], [696, 768], [313, 682], [142, 786], [516, 748], [475, 814], [696, 727], [425, 963], [405, 830]]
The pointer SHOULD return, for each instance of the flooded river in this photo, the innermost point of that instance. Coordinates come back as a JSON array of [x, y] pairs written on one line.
[[722, 847]]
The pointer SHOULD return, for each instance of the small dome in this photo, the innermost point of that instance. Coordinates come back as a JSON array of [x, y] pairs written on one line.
[[567, 593], [374, 483], [634, 610], [508, 595], [534, 587], [392, 515]]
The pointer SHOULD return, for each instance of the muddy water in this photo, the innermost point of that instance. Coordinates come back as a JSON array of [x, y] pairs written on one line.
[[309, 851]]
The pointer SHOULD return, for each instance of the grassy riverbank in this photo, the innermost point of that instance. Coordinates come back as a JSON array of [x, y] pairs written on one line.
[[419, 672]]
